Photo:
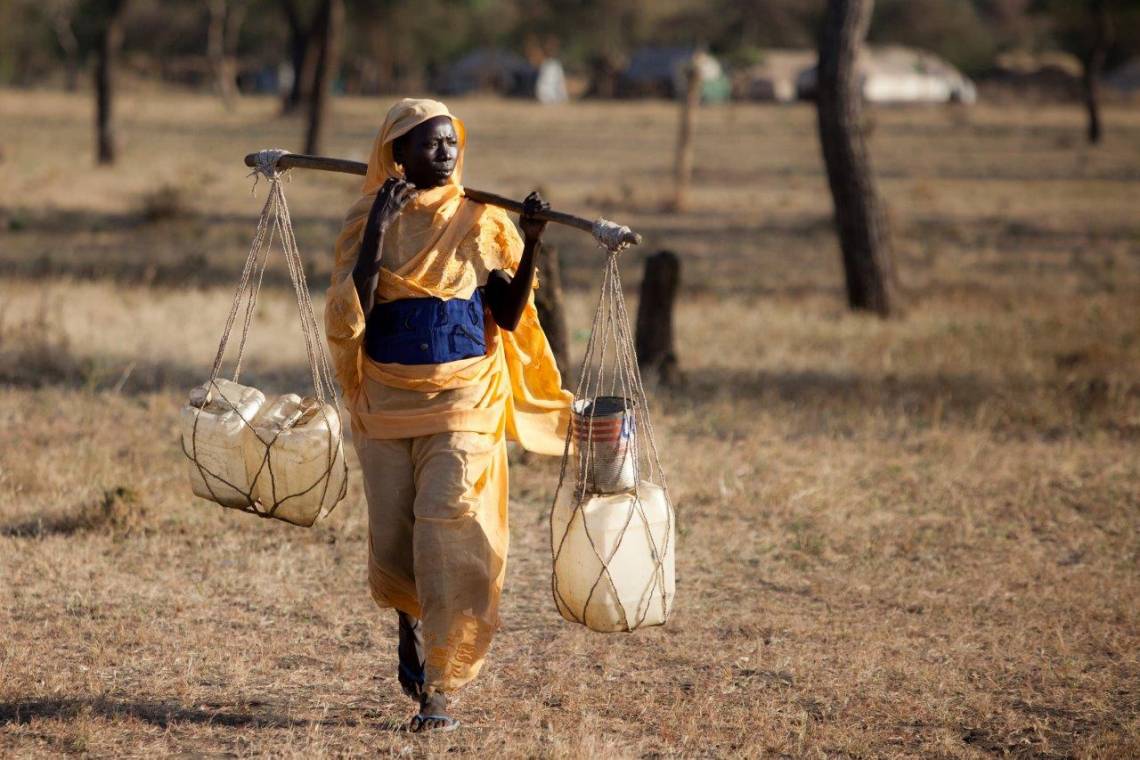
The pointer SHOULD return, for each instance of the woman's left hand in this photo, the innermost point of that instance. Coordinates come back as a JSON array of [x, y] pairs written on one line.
[[533, 227]]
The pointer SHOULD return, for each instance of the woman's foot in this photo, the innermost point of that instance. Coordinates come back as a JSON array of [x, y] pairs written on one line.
[[432, 715]]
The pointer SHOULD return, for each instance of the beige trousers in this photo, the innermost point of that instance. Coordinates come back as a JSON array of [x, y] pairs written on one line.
[[437, 524]]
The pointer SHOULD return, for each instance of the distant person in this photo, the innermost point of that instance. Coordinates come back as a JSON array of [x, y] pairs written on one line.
[[437, 345], [550, 86]]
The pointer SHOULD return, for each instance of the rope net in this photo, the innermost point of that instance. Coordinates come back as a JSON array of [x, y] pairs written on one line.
[[282, 458], [612, 524]]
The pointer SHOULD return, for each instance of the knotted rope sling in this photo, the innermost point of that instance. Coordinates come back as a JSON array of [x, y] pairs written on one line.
[[274, 222], [610, 367]]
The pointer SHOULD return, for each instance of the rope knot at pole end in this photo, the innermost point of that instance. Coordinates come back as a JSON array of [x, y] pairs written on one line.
[[614, 237], [266, 165]]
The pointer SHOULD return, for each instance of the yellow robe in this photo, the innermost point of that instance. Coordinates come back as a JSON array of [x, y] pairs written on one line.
[[443, 245]]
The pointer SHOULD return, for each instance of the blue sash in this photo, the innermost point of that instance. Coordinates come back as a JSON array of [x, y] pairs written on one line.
[[426, 330]]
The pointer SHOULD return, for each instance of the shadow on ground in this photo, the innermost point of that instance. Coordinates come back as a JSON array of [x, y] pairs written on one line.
[[838, 404], [721, 254], [51, 367], [834, 403], [167, 713]]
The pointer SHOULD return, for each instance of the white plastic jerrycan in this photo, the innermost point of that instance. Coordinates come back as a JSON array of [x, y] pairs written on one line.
[[296, 459], [215, 431], [609, 532]]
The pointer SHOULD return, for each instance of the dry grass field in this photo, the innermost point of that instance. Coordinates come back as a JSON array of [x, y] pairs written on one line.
[[912, 538]]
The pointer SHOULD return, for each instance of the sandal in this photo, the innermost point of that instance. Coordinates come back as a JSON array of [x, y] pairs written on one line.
[[432, 715], [422, 723]]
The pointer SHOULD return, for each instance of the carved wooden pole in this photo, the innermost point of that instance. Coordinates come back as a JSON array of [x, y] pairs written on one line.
[[859, 218], [607, 233], [656, 353]]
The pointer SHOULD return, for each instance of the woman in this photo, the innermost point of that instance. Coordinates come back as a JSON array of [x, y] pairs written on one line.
[[437, 346]]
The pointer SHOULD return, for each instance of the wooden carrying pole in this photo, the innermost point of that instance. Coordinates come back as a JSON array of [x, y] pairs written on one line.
[[301, 161]]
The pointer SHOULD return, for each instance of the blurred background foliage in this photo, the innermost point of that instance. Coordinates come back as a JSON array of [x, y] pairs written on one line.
[[394, 46]]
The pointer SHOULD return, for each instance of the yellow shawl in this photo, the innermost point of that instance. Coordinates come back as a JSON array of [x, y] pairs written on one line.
[[442, 245]]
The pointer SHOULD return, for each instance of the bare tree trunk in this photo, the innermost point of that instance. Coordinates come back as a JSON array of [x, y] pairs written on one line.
[[68, 43], [860, 221], [330, 21], [302, 52], [109, 40], [232, 37], [603, 77], [656, 352], [683, 168], [216, 52], [1093, 66], [552, 313]]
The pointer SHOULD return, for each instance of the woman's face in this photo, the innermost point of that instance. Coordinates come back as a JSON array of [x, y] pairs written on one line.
[[428, 153]]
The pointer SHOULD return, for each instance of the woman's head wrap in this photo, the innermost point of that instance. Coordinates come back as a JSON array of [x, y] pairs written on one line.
[[402, 118]]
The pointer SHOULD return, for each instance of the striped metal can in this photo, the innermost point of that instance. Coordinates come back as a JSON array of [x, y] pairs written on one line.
[[603, 431]]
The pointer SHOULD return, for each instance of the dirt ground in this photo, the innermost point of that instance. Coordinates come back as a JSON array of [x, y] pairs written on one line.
[[910, 538]]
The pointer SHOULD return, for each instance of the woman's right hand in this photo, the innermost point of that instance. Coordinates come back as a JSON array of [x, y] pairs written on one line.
[[393, 195], [390, 201]]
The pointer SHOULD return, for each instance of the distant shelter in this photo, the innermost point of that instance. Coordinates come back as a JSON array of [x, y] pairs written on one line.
[[488, 70], [774, 76], [661, 72], [897, 74]]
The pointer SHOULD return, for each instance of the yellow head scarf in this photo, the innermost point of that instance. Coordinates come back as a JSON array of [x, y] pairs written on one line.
[[402, 118]]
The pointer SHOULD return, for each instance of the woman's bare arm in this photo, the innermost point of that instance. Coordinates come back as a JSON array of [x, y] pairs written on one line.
[[390, 201], [506, 296]]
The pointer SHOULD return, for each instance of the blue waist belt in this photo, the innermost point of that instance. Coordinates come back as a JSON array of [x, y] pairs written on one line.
[[426, 330]]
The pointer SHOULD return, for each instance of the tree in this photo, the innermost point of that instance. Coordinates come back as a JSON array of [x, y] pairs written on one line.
[[1092, 64], [330, 21], [654, 342], [1089, 29], [60, 14], [302, 44], [549, 303], [683, 169], [860, 221], [109, 37], [221, 41]]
